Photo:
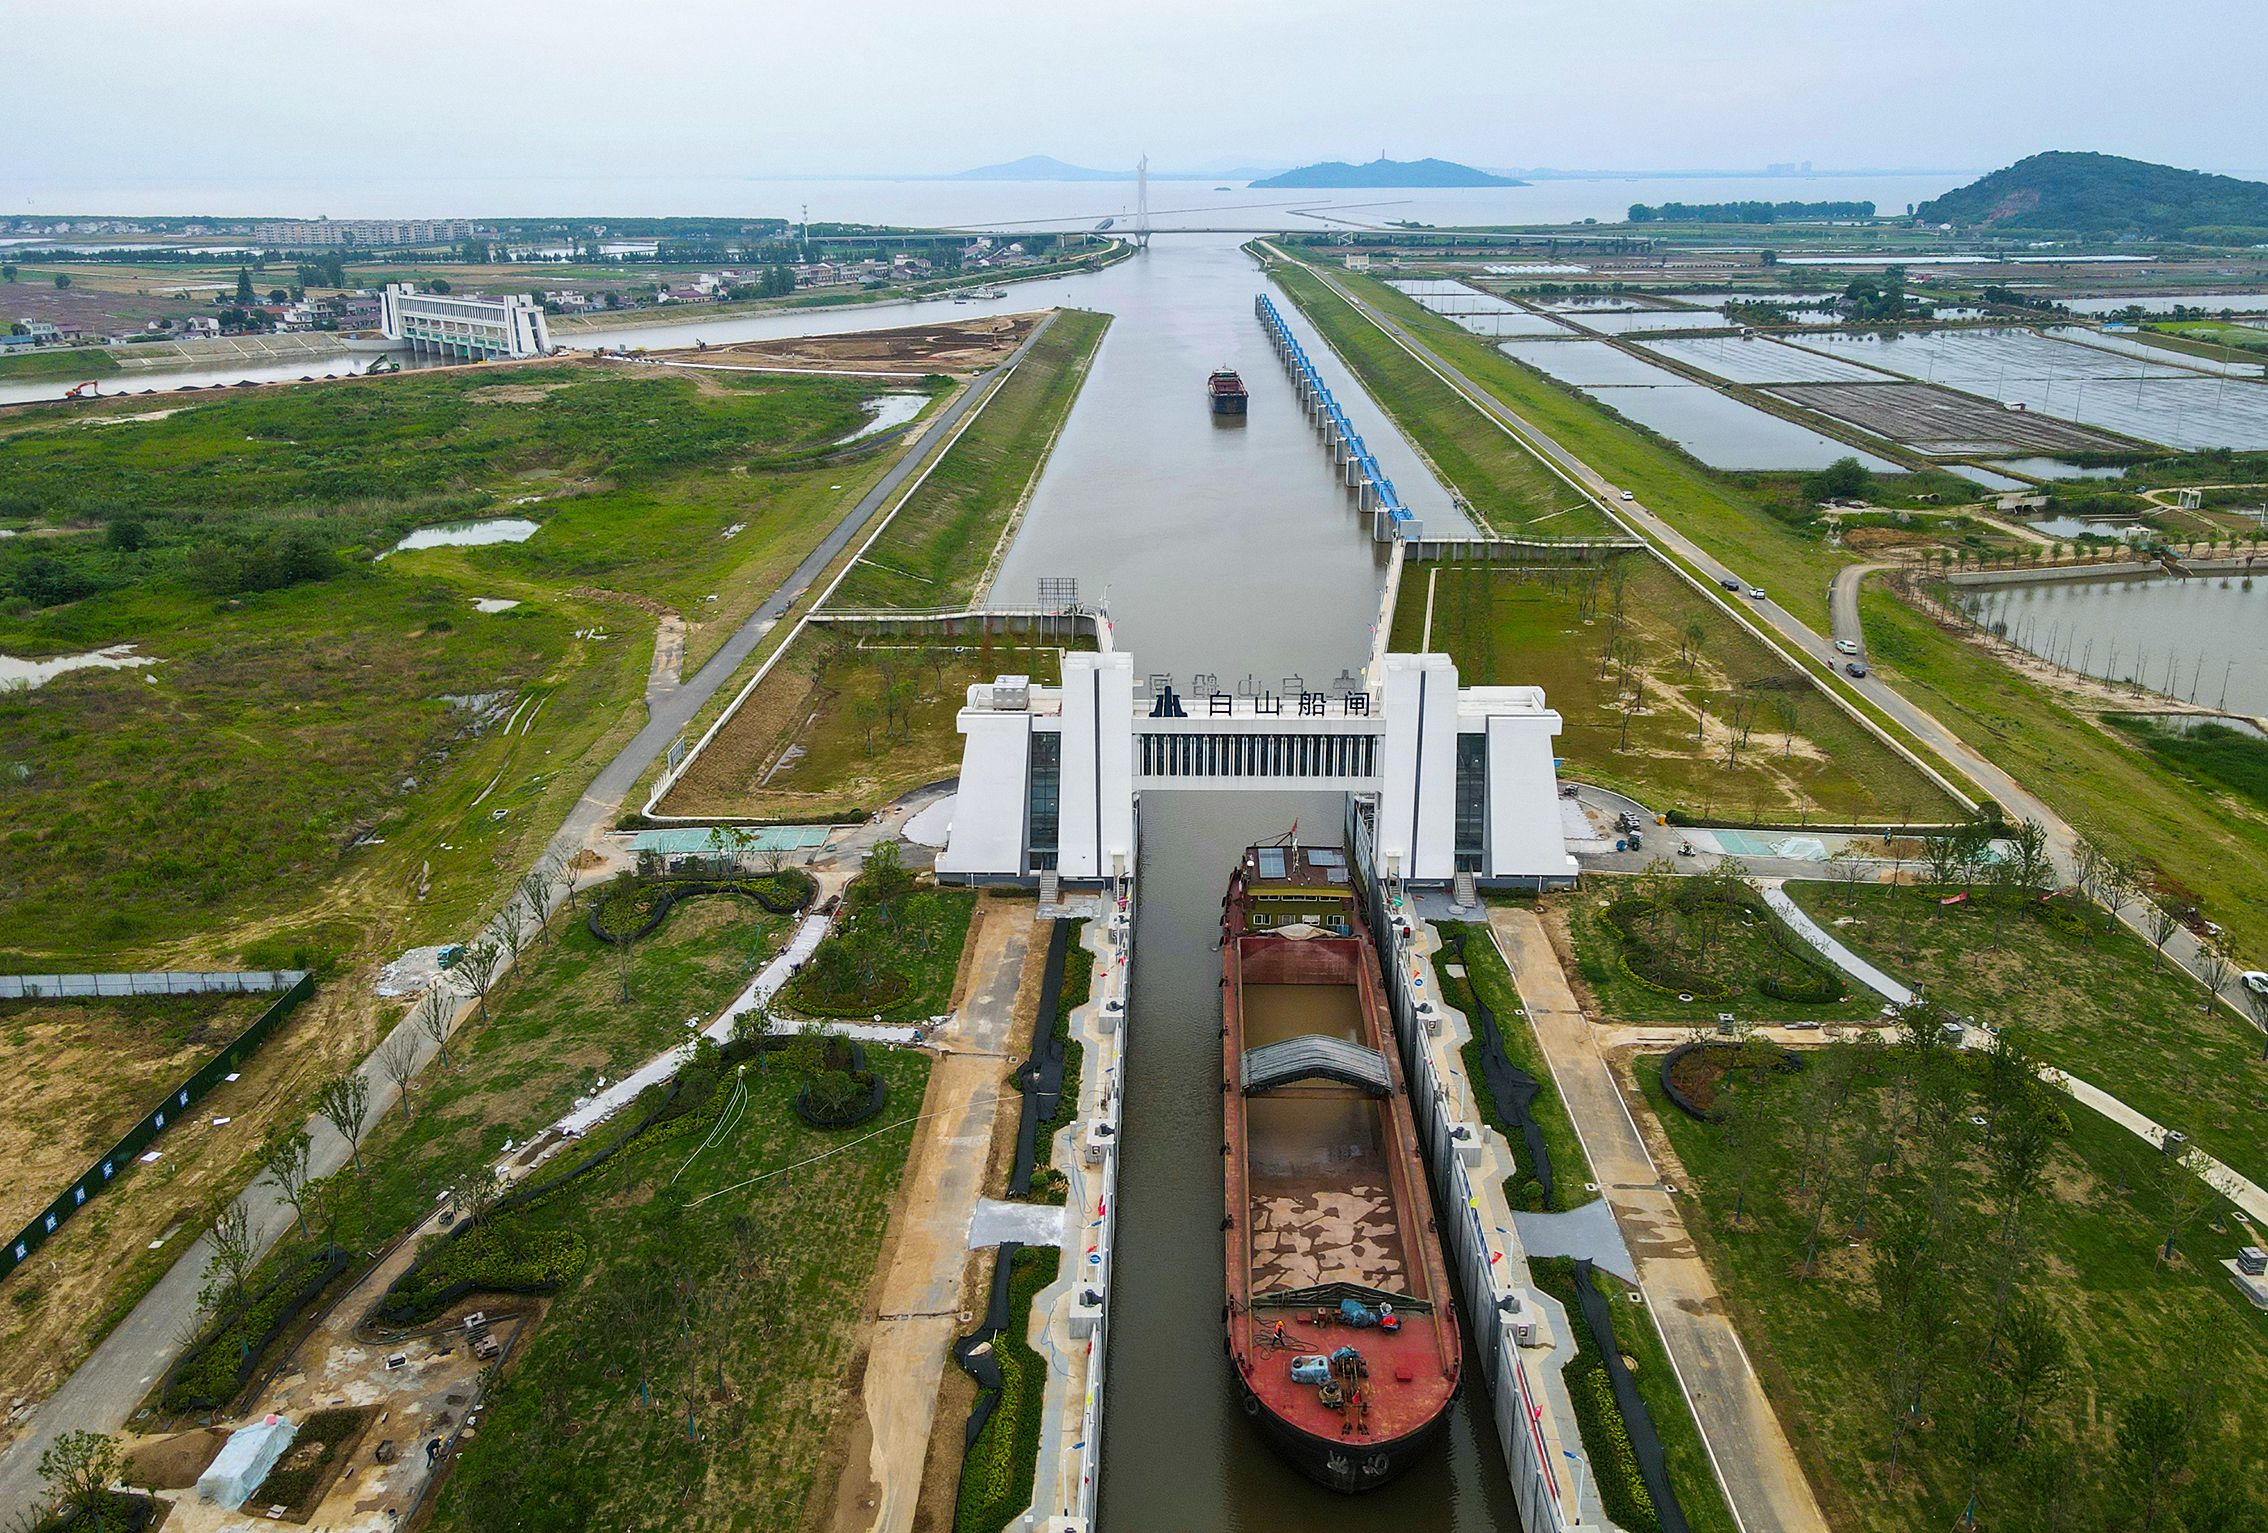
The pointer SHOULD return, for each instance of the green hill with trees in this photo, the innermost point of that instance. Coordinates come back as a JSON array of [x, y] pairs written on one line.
[[1385, 172], [2102, 194]]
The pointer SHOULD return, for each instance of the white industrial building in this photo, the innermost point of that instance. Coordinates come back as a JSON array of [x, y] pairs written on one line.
[[442, 324], [1463, 779]]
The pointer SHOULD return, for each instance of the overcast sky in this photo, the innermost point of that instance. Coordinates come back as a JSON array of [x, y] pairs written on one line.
[[264, 94]]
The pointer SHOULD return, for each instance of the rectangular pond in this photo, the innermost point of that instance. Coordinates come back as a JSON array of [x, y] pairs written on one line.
[[1716, 428], [1758, 360], [2135, 396]]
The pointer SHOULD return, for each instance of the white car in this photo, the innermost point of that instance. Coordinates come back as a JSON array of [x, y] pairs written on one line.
[[1755, 593], [1845, 647], [2254, 980], [1626, 495]]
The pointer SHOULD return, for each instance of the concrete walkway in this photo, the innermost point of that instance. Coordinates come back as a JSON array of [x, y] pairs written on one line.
[[1831, 950], [1588, 1232], [1754, 1462], [921, 1307]]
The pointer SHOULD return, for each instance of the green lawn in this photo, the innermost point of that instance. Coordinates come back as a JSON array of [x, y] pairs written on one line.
[[2110, 1011], [938, 544], [1553, 628], [1509, 488], [1902, 1312], [308, 694], [2203, 846]]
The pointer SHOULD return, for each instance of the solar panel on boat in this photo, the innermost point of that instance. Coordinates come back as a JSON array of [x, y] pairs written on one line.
[[1272, 862]]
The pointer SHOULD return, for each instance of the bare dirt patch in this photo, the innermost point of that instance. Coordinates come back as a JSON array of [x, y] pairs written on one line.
[[516, 393], [74, 1075], [951, 346], [173, 1463]]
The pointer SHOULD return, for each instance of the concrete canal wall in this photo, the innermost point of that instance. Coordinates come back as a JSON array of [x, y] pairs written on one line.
[[1070, 1320], [1522, 1337]]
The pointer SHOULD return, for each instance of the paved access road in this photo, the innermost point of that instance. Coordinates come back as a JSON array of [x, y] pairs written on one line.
[[120, 1370], [1754, 1461], [2018, 802]]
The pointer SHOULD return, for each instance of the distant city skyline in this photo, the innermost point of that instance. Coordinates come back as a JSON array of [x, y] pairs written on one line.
[[255, 93]]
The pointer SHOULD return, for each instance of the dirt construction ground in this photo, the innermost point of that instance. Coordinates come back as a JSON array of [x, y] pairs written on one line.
[[924, 1293], [948, 346]]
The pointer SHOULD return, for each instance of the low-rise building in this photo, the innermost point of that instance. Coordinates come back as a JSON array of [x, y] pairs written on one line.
[[466, 326]]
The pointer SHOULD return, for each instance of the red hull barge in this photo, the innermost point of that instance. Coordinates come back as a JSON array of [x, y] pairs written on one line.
[[1341, 1331], [1226, 390]]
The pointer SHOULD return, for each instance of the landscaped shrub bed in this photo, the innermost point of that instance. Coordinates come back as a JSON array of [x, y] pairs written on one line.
[[1648, 963], [1606, 1437], [632, 908], [1674, 944], [1078, 982], [500, 1254], [126, 1513], [1692, 1072], [215, 1367], [996, 1475], [894, 948], [314, 1450]]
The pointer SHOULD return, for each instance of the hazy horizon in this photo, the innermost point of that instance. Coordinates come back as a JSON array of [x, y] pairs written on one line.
[[254, 94]]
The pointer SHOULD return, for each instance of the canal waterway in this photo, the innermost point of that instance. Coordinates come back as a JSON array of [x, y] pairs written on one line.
[[1230, 549], [2204, 639]]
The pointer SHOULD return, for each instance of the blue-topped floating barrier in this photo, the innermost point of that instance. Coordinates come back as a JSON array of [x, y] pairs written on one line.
[[1390, 519]]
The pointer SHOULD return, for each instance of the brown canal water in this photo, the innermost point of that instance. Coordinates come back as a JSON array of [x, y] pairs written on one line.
[[1231, 550]]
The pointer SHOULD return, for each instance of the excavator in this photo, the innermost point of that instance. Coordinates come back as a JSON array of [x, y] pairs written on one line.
[[84, 390]]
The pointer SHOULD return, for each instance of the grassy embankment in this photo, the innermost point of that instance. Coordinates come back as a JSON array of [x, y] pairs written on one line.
[[2105, 1008], [1508, 488], [842, 725], [1671, 658], [2208, 846], [1889, 1328], [1759, 524], [305, 684], [1486, 975], [943, 538], [75, 362]]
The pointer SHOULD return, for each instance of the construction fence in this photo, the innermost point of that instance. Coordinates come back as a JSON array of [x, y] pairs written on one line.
[[177, 1105]]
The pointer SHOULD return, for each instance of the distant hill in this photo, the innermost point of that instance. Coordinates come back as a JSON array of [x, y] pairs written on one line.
[[2100, 194], [1383, 172]]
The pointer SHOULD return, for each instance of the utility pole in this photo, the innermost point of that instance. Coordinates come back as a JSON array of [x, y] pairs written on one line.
[[807, 234]]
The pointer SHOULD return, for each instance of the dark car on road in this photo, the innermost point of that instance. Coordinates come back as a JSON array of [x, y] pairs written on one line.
[[1856, 667]]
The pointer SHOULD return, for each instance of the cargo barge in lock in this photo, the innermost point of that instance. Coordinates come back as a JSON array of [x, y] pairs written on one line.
[[1226, 390], [1341, 1331]]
